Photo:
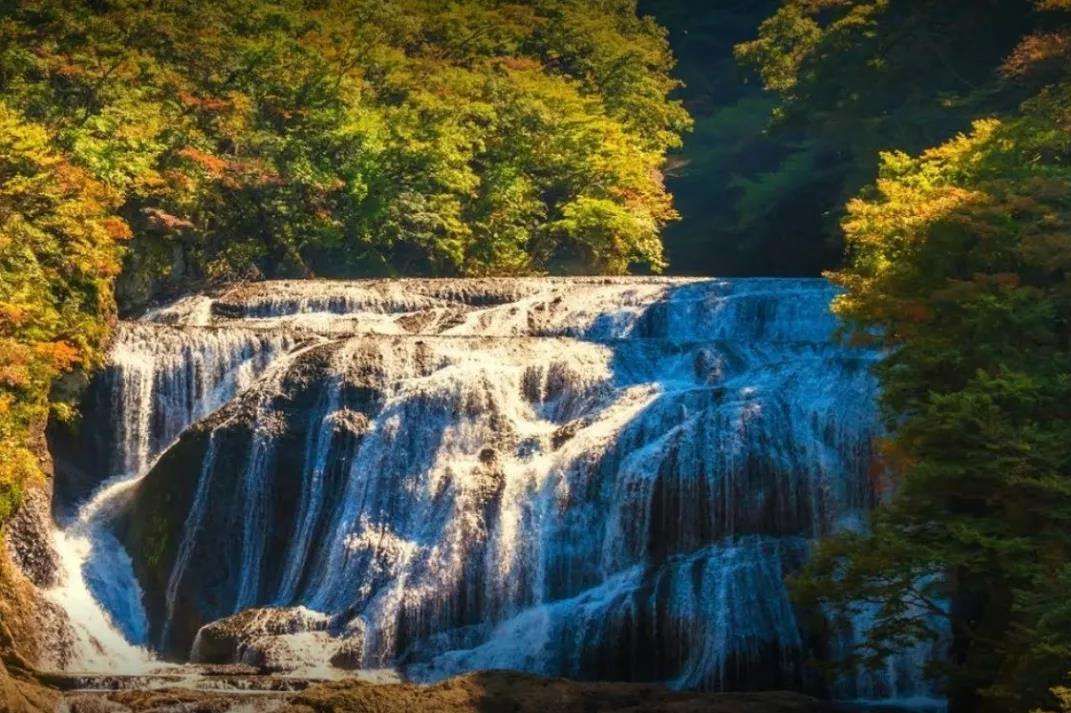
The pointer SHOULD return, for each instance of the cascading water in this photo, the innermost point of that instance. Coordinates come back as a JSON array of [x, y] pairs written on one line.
[[596, 478], [159, 382]]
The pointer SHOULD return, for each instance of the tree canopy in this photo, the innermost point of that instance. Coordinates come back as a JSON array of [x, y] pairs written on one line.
[[58, 256], [851, 79], [291, 137], [958, 265]]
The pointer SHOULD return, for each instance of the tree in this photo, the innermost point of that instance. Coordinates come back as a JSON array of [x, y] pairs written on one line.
[[959, 267], [58, 256], [853, 78], [286, 137]]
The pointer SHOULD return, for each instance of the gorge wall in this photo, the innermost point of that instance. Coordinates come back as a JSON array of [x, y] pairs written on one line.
[[590, 477]]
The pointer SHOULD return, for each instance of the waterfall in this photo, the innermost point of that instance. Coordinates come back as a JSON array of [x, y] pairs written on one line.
[[189, 534], [588, 477], [320, 434], [98, 591], [164, 379], [159, 382]]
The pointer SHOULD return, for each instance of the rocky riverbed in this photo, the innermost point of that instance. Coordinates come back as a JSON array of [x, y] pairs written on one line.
[[482, 692]]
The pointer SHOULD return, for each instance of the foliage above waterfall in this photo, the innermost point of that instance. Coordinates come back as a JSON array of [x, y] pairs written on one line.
[[764, 194], [959, 260], [357, 136], [58, 256]]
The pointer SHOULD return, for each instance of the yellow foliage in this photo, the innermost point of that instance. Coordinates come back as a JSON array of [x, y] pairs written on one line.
[[58, 256]]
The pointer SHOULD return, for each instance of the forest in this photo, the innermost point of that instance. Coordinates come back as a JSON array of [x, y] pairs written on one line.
[[916, 152]]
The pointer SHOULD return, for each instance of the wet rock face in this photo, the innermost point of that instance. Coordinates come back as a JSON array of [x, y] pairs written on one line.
[[159, 380], [598, 478], [82, 451], [27, 536], [249, 460], [32, 635], [268, 639], [279, 640]]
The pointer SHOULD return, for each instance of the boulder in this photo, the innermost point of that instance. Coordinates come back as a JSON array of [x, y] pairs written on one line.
[[286, 653], [349, 653], [265, 638]]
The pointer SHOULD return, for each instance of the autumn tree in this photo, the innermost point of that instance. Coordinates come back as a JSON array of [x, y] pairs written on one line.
[[58, 257], [959, 266], [356, 137]]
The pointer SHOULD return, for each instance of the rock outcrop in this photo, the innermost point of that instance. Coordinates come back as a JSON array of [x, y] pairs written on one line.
[[274, 640], [24, 623], [27, 537]]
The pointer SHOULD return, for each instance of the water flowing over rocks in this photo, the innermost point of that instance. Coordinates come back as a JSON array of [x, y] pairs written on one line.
[[598, 478]]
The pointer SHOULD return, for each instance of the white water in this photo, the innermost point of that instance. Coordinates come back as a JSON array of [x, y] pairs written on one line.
[[174, 381], [97, 589], [590, 477], [311, 503]]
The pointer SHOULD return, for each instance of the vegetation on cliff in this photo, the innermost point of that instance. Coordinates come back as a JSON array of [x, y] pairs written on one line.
[[58, 256], [287, 137]]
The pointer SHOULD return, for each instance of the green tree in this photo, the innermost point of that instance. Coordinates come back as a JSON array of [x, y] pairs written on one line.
[[290, 137], [58, 257], [960, 260], [853, 78]]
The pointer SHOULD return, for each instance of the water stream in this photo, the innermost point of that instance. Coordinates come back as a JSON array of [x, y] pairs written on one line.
[[589, 477]]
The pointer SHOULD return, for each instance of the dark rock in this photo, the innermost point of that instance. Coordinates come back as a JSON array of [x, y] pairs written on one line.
[[156, 518], [350, 654], [82, 450], [709, 366], [27, 536], [565, 433], [349, 421], [255, 636]]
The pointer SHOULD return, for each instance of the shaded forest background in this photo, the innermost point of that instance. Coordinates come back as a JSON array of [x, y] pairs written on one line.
[[761, 183]]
